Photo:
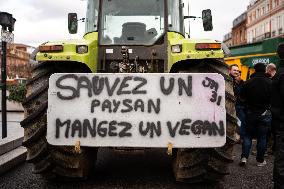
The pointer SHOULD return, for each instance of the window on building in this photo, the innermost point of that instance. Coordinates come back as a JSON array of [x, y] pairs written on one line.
[[263, 10], [273, 4], [255, 32], [263, 29], [249, 37], [278, 22], [267, 28], [282, 22], [281, 29], [274, 26]]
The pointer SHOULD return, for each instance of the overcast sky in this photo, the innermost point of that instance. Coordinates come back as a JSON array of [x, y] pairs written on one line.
[[39, 21]]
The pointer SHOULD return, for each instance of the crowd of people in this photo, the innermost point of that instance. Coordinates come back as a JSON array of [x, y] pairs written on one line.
[[260, 109]]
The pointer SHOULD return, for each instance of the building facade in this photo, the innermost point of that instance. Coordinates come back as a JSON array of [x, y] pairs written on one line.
[[228, 39], [17, 61], [239, 31], [265, 19]]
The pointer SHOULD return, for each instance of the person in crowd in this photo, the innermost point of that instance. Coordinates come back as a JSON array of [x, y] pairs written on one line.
[[256, 93], [270, 73], [234, 70], [277, 109], [271, 70], [240, 106]]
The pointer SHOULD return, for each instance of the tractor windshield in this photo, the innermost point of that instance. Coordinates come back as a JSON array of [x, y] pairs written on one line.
[[131, 22]]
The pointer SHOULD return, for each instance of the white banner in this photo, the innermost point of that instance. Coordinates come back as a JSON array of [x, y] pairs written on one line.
[[137, 110]]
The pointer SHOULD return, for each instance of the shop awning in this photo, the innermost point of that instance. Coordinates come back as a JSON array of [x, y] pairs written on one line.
[[259, 52], [250, 61]]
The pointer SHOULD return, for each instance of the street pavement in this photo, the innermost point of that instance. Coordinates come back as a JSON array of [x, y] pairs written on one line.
[[12, 152], [150, 169], [14, 130]]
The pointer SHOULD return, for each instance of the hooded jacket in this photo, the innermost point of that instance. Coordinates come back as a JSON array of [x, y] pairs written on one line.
[[256, 93]]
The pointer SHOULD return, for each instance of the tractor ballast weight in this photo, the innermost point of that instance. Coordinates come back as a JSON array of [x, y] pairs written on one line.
[[127, 37]]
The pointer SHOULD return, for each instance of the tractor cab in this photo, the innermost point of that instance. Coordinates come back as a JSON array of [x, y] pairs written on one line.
[[142, 22], [133, 35]]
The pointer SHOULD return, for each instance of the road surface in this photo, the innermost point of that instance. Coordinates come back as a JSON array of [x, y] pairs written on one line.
[[150, 169]]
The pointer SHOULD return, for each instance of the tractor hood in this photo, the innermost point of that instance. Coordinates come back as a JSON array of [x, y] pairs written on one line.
[[192, 48], [68, 42], [77, 50]]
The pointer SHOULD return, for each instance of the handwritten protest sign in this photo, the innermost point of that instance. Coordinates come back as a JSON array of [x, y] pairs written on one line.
[[137, 110]]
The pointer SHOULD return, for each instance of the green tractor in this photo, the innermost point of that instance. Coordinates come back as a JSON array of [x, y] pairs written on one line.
[[125, 36]]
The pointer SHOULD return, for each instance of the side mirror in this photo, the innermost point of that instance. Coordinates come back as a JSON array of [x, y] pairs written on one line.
[[72, 23], [207, 20]]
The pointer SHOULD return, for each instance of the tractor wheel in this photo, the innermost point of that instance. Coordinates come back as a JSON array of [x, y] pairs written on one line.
[[52, 162], [210, 164]]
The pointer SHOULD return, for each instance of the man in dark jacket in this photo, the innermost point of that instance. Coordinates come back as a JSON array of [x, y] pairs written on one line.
[[256, 94], [240, 105], [277, 109], [235, 74]]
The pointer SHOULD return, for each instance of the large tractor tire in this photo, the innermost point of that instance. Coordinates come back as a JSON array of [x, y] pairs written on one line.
[[210, 164], [52, 162]]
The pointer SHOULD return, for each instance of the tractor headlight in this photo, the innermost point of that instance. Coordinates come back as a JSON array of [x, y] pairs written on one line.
[[82, 49], [176, 48]]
